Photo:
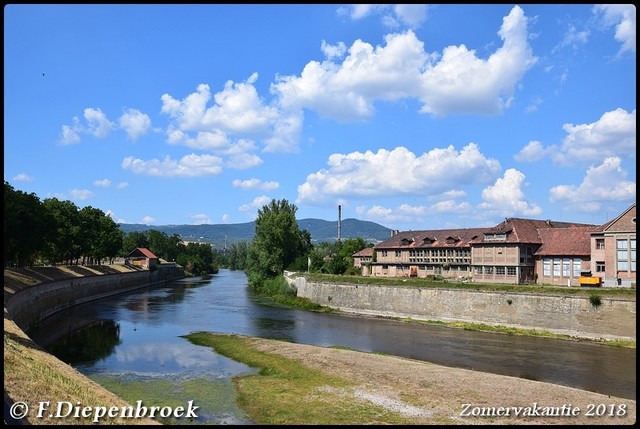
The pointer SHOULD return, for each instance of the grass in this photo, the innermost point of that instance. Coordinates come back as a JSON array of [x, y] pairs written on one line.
[[609, 292], [284, 391]]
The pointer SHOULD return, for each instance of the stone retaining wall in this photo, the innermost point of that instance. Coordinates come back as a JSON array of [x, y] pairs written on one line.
[[614, 318], [33, 304]]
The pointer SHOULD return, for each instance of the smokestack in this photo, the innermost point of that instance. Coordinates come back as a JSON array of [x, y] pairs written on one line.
[[339, 222]]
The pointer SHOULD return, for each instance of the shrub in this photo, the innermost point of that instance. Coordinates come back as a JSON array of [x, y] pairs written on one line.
[[595, 300]]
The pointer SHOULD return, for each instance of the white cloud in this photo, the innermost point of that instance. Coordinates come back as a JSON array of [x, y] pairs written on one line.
[[22, 177], [69, 135], [614, 134], [148, 220], [451, 206], [506, 197], [459, 82], [188, 166], [623, 16], [333, 51], [533, 151], [573, 38], [237, 113], [97, 125], [226, 218], [97, 122], [604, 182], [201, 219], [243, 161], [80, 194], [257, 203], [462, 82], [135, 123], [254, 183], [123, 185], [104, 183], [412, 15], [389, 173]]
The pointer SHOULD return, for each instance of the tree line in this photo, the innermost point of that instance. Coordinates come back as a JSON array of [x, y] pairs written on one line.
[[52, 231]]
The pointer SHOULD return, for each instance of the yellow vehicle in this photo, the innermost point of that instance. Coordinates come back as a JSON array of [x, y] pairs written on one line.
[[590, 281]]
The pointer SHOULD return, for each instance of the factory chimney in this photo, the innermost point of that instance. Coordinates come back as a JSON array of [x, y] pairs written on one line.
[[339, 222]]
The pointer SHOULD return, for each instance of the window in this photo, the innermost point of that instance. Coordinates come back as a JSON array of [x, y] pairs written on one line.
[[599, 243], [622, 255], [546, 267], [633, 253], [477, 270], [600, 267], [384, 253], [566, 266], [488, 270], [511, 271], [500, 271], [577, 267], [398, 253], [557, 264]]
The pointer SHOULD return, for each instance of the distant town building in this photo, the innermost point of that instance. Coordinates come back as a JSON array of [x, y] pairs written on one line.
[[517, 251], [142, 257]]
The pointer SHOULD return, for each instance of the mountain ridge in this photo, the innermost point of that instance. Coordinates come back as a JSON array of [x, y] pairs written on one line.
[[219, 235]]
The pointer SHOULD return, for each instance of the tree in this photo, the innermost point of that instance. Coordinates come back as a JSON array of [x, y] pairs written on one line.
[[277, 241], [64, 231], [25, 225]]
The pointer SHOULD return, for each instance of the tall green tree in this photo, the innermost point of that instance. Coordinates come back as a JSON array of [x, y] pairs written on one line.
[[25, 225], [64, 231], [277, 241]]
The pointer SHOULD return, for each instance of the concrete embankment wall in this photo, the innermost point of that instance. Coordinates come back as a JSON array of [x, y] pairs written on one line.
[[571, 315], [33, 304]]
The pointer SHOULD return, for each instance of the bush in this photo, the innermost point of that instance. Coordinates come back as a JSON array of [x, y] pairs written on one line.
[[595, 300]]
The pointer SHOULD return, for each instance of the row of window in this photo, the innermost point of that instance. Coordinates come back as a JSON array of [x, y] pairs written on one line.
[[626, 255], [561, 267], [499, 271]]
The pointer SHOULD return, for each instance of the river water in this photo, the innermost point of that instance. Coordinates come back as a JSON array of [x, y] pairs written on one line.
[[133, 345]]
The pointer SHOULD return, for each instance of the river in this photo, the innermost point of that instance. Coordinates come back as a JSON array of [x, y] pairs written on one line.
[[133, 345]]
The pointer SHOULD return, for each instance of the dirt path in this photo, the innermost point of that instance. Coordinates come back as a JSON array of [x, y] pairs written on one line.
[[434, 394]]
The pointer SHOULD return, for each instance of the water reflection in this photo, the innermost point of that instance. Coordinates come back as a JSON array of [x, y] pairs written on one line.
[[89, 344]]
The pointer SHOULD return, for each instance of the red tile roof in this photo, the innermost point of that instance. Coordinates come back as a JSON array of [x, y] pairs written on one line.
[[431, 238], [574, 241], [366, 252], [526, 230], [144, 251]]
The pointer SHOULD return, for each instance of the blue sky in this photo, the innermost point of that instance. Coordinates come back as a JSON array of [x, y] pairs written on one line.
[[411, 116]]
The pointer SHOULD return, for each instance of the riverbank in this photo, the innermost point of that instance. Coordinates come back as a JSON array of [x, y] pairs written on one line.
[[32, 376], [279, 385], [303, 384]]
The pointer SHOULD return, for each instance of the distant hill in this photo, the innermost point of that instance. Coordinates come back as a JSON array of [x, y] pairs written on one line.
[[321, 231]]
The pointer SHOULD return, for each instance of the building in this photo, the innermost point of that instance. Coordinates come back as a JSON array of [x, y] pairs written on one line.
[[362, 260], [425, 253], [142, 257], [613, 250], [517, 251], [511, 252]]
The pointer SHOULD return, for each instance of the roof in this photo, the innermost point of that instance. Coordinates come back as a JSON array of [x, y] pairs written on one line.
[[144, 251], [520, 230], [366, 252], [609, 224], [573, 241], [431, 238]]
